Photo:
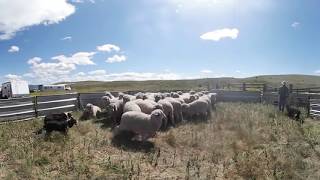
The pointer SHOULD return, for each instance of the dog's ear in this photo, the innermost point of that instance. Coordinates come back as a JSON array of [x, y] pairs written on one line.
[[69, 115]]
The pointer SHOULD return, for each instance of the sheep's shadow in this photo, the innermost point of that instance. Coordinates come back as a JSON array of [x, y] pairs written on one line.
[[105, 123], [124, 140]]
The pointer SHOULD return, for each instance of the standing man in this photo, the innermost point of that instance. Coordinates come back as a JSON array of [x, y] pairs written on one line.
[[283, 95]]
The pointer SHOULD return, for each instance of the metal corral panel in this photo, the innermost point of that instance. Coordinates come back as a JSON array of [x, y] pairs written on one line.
[[300, 100], [270, 98], [56, 104], [315, 108], [237, 96], [55, 97], [93, 98], [15, 109], [59, 109]]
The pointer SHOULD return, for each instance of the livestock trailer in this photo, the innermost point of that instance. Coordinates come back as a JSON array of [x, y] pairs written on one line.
[[57, 87], [14, 89], [34, 88]]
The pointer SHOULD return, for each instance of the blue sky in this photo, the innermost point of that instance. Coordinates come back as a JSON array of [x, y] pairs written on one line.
[[45, 41]]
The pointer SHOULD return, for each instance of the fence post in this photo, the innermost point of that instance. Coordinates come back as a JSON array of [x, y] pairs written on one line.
[[79, 101], [35, 105], [309, 106], [244, 87], [290, 88], [264, 88]]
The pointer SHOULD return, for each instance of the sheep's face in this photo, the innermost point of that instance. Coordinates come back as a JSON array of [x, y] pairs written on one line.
[[144, 97], [192, 98], [106, 100], [88, 107], [157, 97], [126, 99], [157, 114], [175, 95], [196, 96], [107, 93], [139, 95], [192, 92], [121, 95]]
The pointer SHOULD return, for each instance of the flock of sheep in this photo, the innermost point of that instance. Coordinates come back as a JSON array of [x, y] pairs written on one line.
[[146, 113]]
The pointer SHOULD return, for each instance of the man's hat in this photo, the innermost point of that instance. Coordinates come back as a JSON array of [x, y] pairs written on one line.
[[284, 83]]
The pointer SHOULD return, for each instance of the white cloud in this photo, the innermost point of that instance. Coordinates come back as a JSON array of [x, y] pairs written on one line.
[[66, 38], [219, 34], [108, 48], [12, 76], [82, 1], [101, 75], [17, 15], [317, 72], [80, 58], [58, 70], [116, 58], [206, 71], [295, 24], [98, 72], [238, 71], [81, 74], [14, 49]]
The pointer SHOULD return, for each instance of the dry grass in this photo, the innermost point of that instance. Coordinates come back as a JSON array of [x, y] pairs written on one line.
[[241, 141]]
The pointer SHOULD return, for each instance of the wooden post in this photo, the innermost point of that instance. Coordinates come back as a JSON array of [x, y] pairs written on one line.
[[244, 87], [35, 105], [309, 106], [78, 101], [264, 88], [290, 88]]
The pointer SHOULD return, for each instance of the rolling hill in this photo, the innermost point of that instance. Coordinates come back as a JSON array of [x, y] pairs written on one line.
[[298, 81]]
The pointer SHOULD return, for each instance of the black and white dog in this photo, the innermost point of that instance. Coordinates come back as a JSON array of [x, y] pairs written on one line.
[[58, 122], [294, 113]]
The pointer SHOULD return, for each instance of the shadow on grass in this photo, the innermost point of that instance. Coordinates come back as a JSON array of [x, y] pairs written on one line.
[[106, 123], [124, 140]]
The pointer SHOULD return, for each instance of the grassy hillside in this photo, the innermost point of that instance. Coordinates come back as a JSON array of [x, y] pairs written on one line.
[[298, 81], [241, 141]]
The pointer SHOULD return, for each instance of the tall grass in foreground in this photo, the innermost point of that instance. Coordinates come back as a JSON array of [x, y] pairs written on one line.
[[241, 141]]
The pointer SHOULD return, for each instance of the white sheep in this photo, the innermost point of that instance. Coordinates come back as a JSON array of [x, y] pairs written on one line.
[[131, 106], [107, 93], [120, 96], [198, 108], [208, 100], [168, 111], [116, 106], [143, 125], [213, 98], [147, 106], [192, 92], [177, 109], [139, 95], [90, 111]]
